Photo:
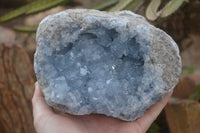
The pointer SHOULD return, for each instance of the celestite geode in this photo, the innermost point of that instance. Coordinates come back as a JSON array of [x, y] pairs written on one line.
[[112, 63]]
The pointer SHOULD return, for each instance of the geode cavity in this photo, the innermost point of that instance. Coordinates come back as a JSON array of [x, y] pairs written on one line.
[[112, 63]]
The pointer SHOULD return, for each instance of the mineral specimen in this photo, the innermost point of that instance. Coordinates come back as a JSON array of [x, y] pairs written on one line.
[[112, 63]]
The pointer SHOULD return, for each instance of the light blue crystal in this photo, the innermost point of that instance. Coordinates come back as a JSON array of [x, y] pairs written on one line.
[[115, 64]]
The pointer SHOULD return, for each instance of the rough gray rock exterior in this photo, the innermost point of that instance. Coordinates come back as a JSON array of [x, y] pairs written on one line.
[[116, 63]]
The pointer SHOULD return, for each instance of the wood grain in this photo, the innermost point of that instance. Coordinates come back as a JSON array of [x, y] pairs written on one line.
[[16, 90], [183, 116]]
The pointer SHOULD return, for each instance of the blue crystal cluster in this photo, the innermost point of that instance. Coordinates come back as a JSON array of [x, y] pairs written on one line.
[[89, 61]]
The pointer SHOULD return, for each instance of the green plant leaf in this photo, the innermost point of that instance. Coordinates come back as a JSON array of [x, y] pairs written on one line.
[[187, 70], [121, 5], [196, 95], [26, 28], [154, 128], [134, 5], [171, 7], [34, 7], [151, 11], [104, 4], [46, 4], [18, 12]]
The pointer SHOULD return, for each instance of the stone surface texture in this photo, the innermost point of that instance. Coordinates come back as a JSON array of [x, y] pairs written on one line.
[[16, 89], [116, 63]]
